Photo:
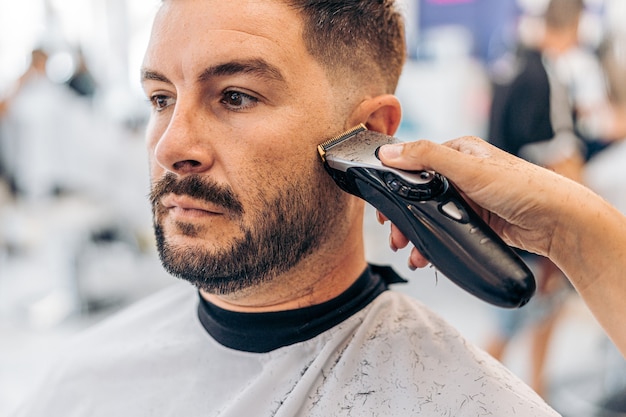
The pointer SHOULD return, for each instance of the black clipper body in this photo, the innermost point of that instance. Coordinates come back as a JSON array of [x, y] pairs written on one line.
[[433, 216]]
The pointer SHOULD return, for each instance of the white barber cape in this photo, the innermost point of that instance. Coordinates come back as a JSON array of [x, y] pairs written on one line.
[[392, 357]]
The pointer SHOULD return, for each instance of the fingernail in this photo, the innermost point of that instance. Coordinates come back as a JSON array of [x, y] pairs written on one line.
[[411, 266], [392, 245], [391, 151], [379, 217]]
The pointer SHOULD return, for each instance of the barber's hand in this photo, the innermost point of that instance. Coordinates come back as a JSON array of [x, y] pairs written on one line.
[[519, 200]]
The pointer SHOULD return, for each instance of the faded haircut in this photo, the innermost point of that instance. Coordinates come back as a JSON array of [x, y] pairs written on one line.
[[363, 39]]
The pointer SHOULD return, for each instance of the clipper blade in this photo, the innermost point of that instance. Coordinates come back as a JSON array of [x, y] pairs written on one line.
[[324, 146]]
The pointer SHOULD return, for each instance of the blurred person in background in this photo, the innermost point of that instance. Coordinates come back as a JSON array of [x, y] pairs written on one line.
[[82, 82], [540, 101], [39, 121], [578, 67], [605, 172], [34, 74], [613, 59]]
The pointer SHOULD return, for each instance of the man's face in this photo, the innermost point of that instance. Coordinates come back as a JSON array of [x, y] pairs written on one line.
[[239, 195]]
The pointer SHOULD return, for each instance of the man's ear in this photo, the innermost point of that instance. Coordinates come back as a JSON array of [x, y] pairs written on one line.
[[381, 114]]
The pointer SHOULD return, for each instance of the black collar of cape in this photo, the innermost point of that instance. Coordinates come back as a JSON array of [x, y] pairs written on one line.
[[264, 332]]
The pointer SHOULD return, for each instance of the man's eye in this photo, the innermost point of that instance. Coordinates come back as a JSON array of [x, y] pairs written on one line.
[[160, 102], [236, 100]]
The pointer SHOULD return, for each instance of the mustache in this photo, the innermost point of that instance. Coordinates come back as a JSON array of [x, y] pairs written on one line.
[[198, 188]]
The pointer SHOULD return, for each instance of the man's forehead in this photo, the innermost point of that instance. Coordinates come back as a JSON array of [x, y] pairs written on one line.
[[246, 15], [240, 21], [222, 38]]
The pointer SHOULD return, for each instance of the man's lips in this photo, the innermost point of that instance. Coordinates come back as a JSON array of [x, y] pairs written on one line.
[[185, 205]]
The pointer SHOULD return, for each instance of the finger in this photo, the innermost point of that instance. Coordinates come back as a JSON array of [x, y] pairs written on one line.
[[445, 159], [417, 260], [397, 240]]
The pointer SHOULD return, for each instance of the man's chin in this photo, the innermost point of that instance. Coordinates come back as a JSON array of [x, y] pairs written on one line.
[[214, 268], [216, 281]]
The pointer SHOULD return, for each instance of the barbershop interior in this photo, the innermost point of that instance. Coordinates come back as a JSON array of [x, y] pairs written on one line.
[[76, 238]]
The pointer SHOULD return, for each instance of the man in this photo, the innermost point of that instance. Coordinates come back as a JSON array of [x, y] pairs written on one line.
[[291, 320]]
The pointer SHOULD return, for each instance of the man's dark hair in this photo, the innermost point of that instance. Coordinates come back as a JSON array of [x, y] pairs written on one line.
[[366, 37]]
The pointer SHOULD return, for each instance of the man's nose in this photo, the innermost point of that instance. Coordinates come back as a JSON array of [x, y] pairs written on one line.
[[184, 147]]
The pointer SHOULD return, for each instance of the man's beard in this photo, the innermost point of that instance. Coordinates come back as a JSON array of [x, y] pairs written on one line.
[[285, 229]]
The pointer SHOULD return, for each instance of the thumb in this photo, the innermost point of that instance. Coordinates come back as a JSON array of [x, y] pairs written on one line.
[[415, 156], [454, 159]]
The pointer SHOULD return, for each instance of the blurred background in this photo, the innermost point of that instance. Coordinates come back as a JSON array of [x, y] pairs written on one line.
[[75, 227]]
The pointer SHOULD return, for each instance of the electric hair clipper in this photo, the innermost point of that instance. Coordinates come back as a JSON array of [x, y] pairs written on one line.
[[431, 213]]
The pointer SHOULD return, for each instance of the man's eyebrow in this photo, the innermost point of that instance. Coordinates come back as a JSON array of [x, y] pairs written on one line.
[[258, 67], [147, 74]]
